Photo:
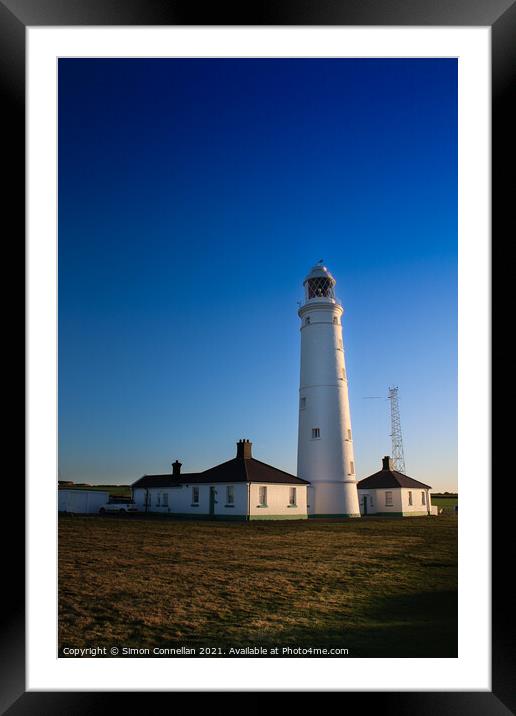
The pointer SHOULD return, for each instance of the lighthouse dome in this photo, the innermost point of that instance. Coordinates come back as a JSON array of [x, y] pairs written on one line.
[[319, 283]]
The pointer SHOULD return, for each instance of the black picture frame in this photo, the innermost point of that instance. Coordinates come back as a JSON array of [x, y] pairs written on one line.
[[500, 16]]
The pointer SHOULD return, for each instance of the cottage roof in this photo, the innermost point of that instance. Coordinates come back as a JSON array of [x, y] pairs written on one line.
[[242, 468], [387, 477]]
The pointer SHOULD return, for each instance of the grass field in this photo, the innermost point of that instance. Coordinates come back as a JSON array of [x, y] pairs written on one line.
[[447, 503], [378, 587]]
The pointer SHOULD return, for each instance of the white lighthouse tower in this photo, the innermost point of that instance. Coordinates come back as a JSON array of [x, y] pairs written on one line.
[[325, 442]]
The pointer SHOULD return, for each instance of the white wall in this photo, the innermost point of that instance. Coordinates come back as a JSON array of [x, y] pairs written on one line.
[[379, 500], [327, 462], [81, 501], [180, 500], [241, 492], [400, 501], [417, 503], [372, 501], [278, 501]]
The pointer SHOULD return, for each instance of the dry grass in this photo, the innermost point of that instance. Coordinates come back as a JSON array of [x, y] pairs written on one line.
[[377, 587]]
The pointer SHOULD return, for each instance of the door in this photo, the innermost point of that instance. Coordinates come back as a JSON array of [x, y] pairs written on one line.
[[365, 504], [213, 501]]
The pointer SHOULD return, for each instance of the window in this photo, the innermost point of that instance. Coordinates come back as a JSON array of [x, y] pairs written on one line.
[[410, 497], [195, 495], [230, 495], [263, 497], [292, 501], [316, 433], [340, 343], [335, 319], [307, 320], [165, 499], [349, 434], [351, 467], [388, 499], [321, 287], [302, 403], [423, 498], [158, 496]]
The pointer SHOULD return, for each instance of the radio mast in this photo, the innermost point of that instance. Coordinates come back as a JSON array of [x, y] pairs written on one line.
[[398, 456]]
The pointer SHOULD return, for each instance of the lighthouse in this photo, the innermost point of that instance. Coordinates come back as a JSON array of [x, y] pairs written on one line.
[[325, 439]]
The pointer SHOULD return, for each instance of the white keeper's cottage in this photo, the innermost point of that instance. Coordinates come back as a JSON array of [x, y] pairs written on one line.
[[390, 493], [242, 488]]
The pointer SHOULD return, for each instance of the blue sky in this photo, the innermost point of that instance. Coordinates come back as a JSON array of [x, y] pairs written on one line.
[[194, 196]]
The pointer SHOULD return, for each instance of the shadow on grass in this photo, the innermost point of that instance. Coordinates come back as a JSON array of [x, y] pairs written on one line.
[[409, 626], [412, 625], [421, 625]]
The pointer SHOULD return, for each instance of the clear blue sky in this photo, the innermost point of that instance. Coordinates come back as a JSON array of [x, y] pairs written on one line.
[[194, 196]]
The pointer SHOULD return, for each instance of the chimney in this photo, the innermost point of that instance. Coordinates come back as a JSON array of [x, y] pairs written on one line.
[[387, 463], [244, 449], [176, 468]]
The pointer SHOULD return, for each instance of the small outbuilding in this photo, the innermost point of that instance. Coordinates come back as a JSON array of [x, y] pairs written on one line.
[[242, 489], [390, 493], [81, 502]]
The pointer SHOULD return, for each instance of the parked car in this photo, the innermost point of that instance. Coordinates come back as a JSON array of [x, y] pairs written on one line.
[[118, 507]]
